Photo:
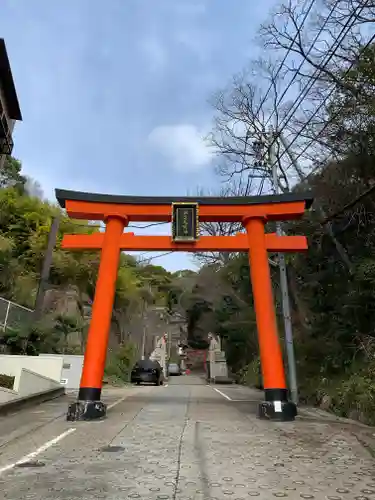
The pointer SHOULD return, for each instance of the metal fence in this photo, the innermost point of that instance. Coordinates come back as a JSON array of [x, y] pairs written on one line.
[[13, 315]]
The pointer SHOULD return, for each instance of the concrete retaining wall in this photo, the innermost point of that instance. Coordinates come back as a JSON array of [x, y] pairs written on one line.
[[7, 395], [29, 383], [33, 383], [50, 368], [35, 380], [71, 371]]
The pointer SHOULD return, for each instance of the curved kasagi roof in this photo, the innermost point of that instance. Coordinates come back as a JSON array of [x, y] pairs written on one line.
[[64, 195]]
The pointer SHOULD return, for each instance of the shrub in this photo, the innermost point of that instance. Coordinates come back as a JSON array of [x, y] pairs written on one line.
[[120, 363], [250, 375], [356, 398], [6, 381]]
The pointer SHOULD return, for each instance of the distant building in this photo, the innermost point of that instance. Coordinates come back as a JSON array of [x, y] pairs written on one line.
[[9, 107]]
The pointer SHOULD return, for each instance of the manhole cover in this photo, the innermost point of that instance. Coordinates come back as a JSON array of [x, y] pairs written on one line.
[[112, 449], [31, 464]]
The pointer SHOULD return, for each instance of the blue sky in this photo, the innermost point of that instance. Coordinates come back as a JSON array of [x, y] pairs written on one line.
[[114, 93]]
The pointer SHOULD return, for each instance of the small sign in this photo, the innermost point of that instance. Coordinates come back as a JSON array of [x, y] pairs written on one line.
[[278, 408], [185, 222]]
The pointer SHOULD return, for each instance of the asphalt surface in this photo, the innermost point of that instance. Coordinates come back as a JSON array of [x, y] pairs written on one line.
[[181, 441]]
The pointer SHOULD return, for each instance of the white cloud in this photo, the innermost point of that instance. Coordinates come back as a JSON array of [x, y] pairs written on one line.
[[155, 53], [183, 145]]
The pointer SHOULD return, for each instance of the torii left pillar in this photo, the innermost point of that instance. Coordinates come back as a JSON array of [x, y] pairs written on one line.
[[89, 405]]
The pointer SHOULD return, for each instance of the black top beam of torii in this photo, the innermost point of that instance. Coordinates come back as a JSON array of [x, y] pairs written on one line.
[[64, 195]]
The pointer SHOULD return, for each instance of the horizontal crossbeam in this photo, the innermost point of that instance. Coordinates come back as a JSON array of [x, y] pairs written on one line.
[[163, 213], [237, 243]]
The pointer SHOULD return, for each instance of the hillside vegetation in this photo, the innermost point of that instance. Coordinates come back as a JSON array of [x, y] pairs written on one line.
[[301, 117], [25, 222], [331, 151]]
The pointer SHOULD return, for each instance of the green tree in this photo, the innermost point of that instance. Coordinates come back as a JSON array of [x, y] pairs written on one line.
[[25, 223], [10, 174]]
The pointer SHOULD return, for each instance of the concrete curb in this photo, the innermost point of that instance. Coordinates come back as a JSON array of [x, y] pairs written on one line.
[[220, 381], [32, 400], [326, 416]]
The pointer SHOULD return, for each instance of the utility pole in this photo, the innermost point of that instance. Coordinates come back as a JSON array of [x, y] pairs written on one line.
[[170, 329], [44, 277], [144, 335], [143, 342], [284, 282], [144, 321]]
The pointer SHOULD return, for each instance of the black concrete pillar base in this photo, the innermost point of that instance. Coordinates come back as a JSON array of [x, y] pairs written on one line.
[[277, 407], [86, 410]]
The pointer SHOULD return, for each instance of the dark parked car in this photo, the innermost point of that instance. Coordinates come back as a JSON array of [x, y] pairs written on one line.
[[147, 371]]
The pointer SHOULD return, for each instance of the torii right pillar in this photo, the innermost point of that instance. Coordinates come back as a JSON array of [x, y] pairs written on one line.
[[276, 405]]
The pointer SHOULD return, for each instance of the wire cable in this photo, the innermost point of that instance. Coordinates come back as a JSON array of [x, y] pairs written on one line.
[[99, 226], [281, 65], [303, 61], [332, 51], [328, 96], [155, 257], [139, 261], [304, 91], [149, 225]]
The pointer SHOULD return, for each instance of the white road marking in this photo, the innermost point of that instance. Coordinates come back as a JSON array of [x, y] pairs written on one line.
[[38, 451], [109, 407], [52, 442], [236, 400], [222, 393]]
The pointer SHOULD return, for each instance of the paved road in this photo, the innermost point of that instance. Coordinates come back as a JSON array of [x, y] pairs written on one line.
[[182, 441]]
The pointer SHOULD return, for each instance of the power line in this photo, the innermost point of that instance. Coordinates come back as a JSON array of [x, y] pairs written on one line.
[[155, 257], [130, 225], [329, 15], [281, 65], [261, 185], [149, 225], [335, 45], [329, 95], [291, 112], [349, 205], [139, 227], [139, 261]]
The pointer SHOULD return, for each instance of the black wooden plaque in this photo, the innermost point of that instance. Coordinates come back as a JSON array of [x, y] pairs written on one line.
[[185, 225]]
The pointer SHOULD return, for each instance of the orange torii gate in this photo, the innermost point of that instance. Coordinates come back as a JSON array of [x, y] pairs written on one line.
[[185, 214]]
